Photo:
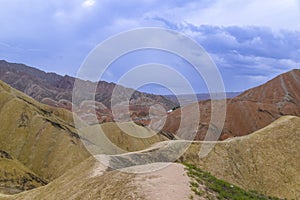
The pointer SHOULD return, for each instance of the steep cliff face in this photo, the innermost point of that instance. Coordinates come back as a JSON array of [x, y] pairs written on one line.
[[251, 110]]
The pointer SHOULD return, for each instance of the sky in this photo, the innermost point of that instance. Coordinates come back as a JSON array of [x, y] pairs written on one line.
[[250, 41]]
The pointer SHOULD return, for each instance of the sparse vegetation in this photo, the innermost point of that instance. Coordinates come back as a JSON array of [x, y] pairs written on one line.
[[222, 189]]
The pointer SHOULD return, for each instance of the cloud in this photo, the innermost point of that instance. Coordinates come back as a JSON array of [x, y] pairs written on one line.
[[247, 55], [88, 3], [245, 38], [276, 14]]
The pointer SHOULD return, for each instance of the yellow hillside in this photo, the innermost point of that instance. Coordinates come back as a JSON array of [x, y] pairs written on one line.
[[267, 160], [41, 137]]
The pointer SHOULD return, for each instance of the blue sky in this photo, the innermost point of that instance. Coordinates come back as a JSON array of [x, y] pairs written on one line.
[[251, 41]]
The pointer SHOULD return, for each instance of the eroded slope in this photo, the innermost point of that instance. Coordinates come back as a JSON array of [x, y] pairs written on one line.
[[15, 177], [250, 111], [41, 137]]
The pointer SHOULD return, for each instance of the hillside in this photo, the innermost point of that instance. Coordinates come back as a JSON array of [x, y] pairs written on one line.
[[95, 183], [56, 90], [42, 138], [266, 161], [186, 99], [45, 142], [40, 144], [251, 110], [15, 177], [116, 138]]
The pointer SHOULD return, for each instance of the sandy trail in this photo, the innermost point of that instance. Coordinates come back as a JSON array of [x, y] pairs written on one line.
[[168, 183]]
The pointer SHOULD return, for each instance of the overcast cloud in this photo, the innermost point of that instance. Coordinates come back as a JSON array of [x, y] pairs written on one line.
[[251, 41]]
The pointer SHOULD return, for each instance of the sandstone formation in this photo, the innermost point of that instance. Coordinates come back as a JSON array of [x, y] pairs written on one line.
[[56, 90], [251, 110]]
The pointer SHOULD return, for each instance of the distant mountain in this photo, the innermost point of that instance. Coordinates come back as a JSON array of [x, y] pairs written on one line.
[[186, 99], [56, 90], [251, 110]]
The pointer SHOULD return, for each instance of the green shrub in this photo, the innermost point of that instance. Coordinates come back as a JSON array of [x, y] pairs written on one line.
[[223, 189]]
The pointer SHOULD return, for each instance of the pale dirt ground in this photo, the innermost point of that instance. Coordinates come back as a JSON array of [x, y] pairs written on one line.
[[169, 183], [98, 169]]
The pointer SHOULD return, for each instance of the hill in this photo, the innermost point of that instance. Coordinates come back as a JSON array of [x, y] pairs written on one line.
[[56, 90], [115, 138], [42, 138], [45, 140], [186, 99], [251, 110], [41, 145], [96, 182], [266, 161], [15, 177]]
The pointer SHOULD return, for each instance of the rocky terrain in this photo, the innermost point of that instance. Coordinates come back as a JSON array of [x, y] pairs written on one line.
[[56, 90], [251, 110]]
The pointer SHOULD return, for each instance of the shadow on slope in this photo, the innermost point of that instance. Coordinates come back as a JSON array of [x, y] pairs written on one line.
[[15, 177]]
